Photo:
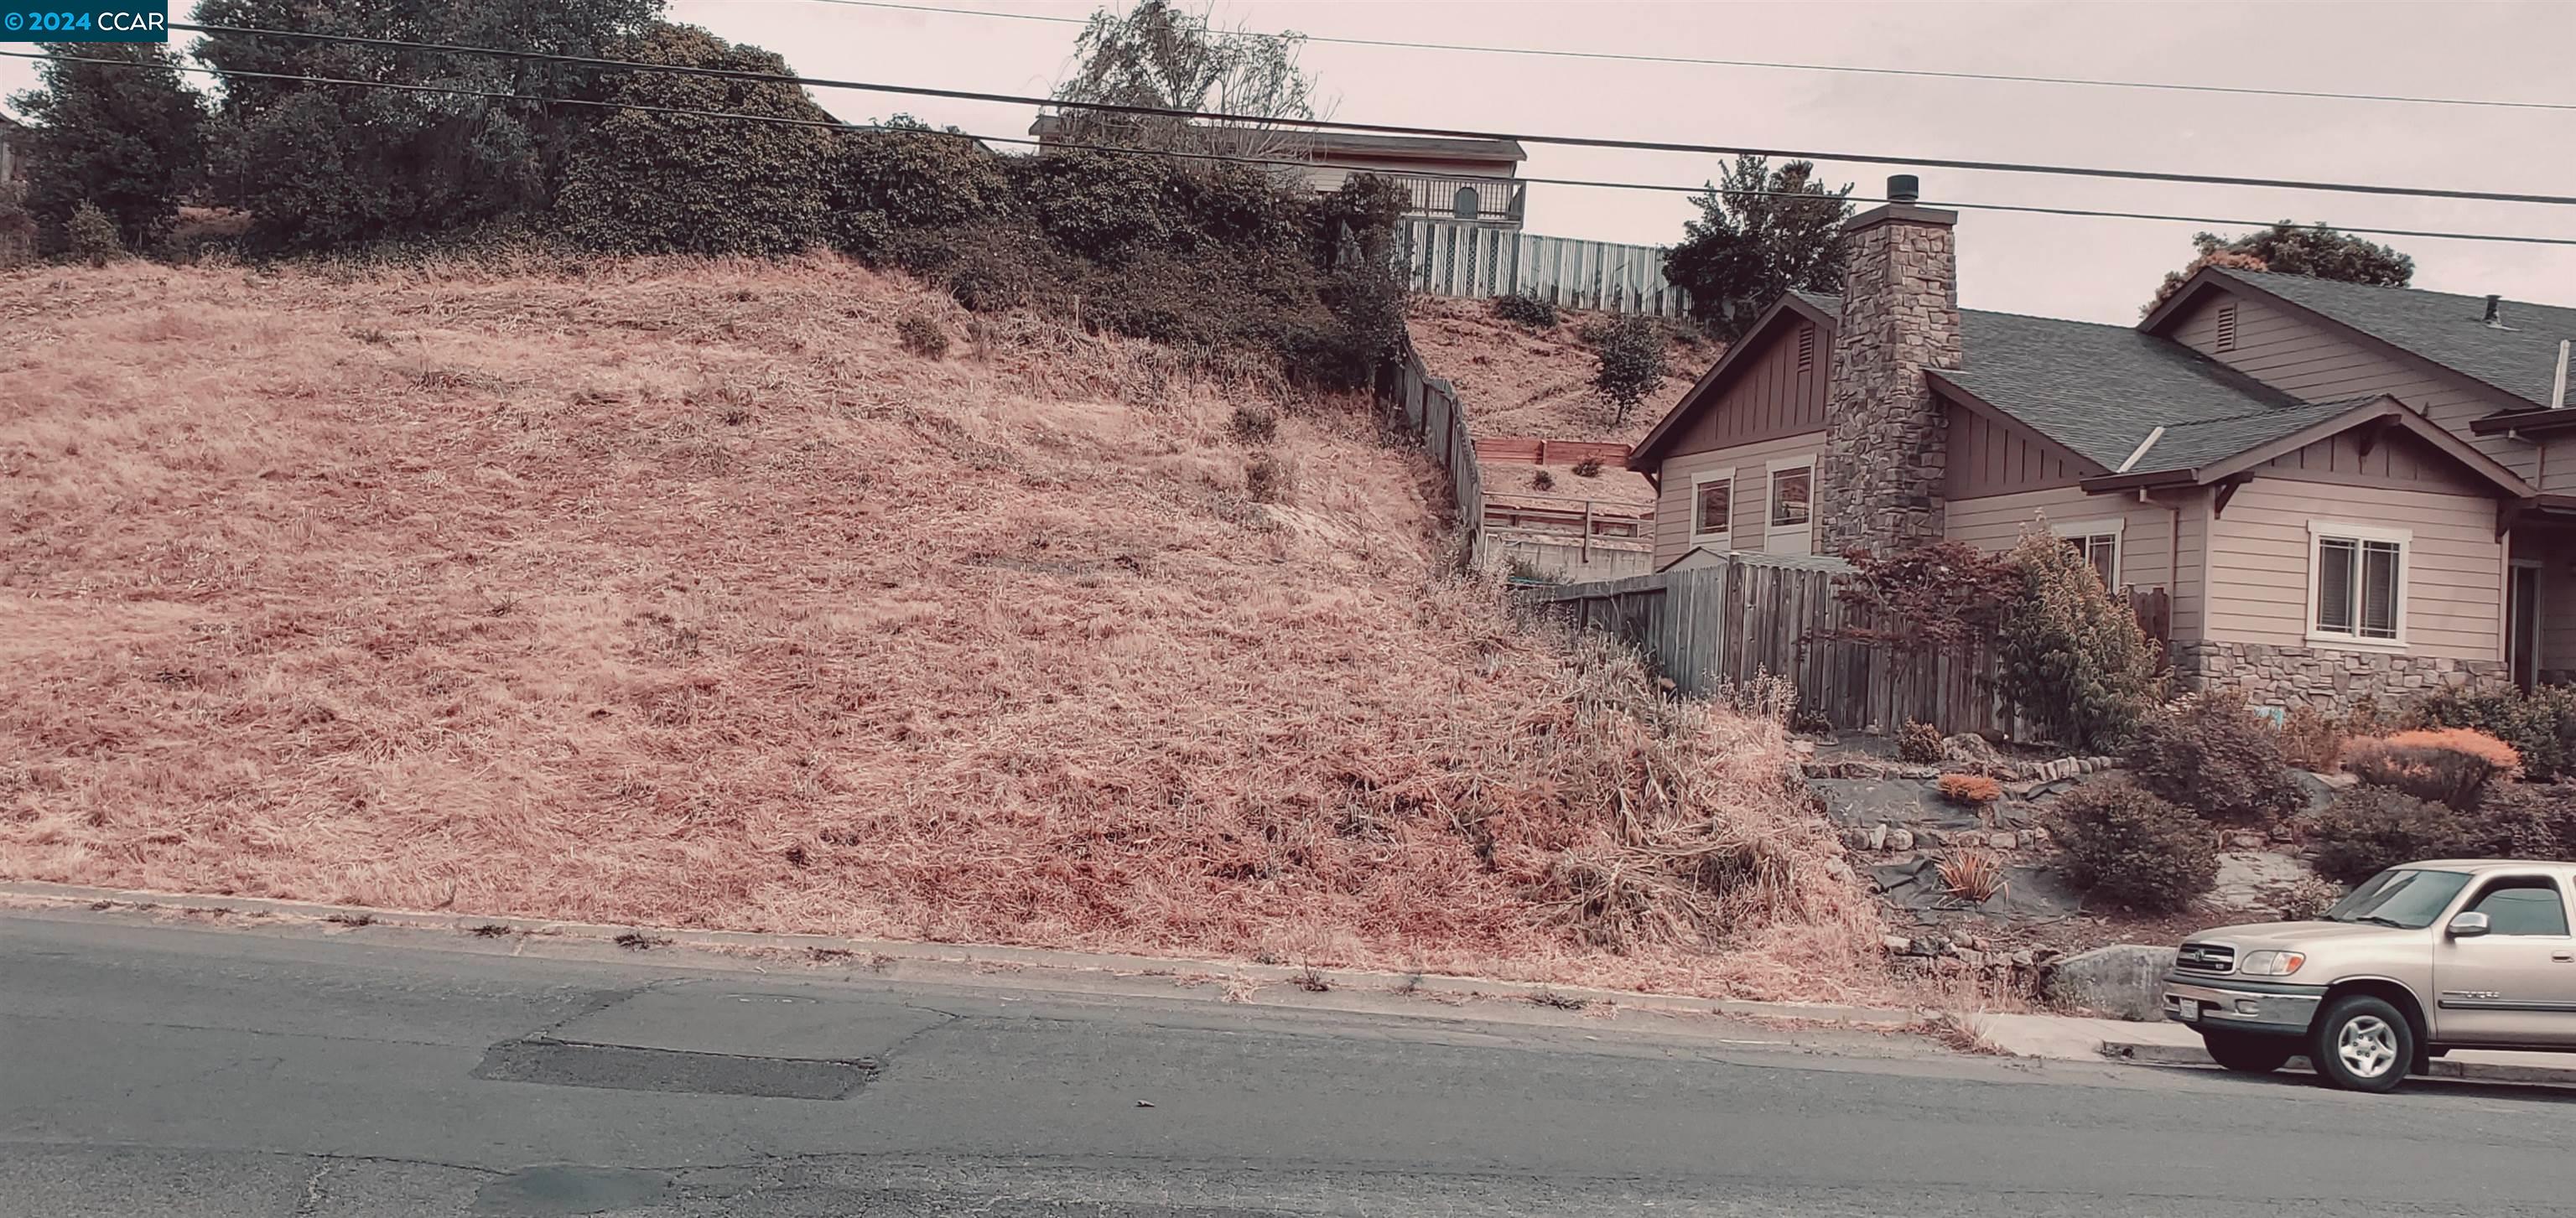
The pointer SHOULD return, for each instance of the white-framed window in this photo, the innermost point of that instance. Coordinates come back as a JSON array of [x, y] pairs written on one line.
[[2357, 584], [1789, 507], [1712, 507], [2099, 542]]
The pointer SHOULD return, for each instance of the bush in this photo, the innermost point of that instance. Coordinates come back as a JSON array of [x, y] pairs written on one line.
[[1589, 467], [1974, 790], [1541, 480], [1254, 424], [2074, 658], [2129, 847], [2540, 725], [1537, 312], [2450, 765], [2311, 741], [2371, 829], [2530, 820], [921, 335], [93, 236], [2306, 900], [1919, 743], [1267, 479], [1631, 364], [2211, 753]]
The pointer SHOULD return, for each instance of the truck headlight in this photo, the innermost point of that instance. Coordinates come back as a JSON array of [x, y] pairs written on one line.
[[2271, 964]]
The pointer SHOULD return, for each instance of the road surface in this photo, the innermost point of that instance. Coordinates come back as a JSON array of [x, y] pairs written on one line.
[[151, 1069]]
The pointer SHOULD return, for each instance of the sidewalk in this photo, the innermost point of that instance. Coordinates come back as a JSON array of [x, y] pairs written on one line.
[[2171, 1044]]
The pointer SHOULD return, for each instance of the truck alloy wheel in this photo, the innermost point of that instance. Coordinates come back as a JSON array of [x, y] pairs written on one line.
[[2362, 1044]]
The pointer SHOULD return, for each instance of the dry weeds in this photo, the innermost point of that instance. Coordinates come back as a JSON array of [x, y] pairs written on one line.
[[675, 594]]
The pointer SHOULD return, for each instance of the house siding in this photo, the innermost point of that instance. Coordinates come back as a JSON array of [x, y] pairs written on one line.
[[2258, 565], [1750, 503], [1987, 458], [2149, 537], [1766, 398], [2315, 363], [2558, 466]]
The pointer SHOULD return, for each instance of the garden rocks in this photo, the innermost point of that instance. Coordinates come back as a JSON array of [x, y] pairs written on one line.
[[2251, 881], [2124, 979]]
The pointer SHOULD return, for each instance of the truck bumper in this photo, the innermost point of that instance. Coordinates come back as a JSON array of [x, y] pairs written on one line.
[[2242, 1005]]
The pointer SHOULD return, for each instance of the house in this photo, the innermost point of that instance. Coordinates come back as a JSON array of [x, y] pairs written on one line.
[[1468, 180], [2345, 490], [15, 143]]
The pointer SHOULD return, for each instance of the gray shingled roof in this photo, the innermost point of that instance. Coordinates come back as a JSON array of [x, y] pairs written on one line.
[[2447, 329], [2100, 390]]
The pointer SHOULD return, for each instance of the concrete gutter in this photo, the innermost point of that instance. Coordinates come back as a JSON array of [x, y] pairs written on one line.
[[881, 955], [2171, 1044]]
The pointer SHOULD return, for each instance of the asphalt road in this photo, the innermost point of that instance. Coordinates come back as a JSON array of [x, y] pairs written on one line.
[[156, 1069]]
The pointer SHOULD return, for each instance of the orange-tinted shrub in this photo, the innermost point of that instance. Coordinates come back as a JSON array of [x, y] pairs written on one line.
[[1974, 789], [2451, 765]]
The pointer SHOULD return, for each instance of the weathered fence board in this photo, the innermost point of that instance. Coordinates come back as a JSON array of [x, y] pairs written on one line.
[[1745, 615], [1433, 415]]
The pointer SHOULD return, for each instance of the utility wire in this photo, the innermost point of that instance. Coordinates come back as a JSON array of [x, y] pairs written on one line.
[[1268, 162], [1638, 57], [2425, 192]]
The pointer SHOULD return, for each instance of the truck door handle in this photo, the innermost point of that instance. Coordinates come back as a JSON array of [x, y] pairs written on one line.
[[2563, 957]]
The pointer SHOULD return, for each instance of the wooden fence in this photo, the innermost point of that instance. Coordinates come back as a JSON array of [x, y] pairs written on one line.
[[1477, 261], [1740, 616], [1428, 409], [1533, 450]]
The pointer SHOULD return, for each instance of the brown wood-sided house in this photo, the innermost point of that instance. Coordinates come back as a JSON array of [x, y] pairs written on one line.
[[2347, 490]]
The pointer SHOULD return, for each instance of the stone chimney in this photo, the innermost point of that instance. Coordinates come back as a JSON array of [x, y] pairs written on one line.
[[1879, 483]]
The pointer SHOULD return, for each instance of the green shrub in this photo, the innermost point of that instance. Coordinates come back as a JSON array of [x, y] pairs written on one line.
[[910, 177], [2371, 829], [2074, 658], [2211, 753], [92, 236], [1589, 467], [2312, 741], [2129, 847], [2530, 820], [2451, 765], [1537, 312], [1919, 743], [1630, 364], [2540, 725], [1267, 479], [922, 335]]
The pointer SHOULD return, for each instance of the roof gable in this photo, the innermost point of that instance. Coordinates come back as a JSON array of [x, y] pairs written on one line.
[[1774, 324], [2441, 330]]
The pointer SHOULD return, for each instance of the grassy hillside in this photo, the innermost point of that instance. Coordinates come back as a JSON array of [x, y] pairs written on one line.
[[682, 593]]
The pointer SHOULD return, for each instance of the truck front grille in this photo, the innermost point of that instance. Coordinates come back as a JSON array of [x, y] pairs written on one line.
[[2206, 958]]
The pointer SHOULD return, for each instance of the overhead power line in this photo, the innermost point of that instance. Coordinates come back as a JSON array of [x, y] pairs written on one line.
[[2424, 192], [1698, 61], [1267, 162]]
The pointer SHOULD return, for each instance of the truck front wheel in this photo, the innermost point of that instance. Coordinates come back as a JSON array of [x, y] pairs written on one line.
[[2361, 1043]]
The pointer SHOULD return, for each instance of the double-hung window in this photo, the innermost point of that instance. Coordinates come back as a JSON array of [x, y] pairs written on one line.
[[1791, 528], [2098, 541], [2357, 583], [1712, 508]]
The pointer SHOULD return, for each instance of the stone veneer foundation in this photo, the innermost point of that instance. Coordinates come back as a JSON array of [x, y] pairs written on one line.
[[2327, 679]]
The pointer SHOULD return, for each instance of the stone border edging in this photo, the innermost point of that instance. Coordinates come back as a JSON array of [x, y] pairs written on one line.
[[984, 954], [2151, 1054]]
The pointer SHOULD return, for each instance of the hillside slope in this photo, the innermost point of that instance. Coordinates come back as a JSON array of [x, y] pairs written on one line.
[[681, 593]]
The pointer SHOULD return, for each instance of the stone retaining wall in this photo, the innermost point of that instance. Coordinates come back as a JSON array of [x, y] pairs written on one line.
[[2328, 679]]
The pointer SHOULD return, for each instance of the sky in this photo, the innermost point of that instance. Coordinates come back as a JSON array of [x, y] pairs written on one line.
[[2093, 269]]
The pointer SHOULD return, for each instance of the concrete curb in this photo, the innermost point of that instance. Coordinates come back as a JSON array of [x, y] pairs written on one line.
[[972, 954], [2148, 1053]]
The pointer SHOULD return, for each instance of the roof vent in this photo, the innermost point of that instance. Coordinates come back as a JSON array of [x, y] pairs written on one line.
[[1903, 188], [2495, 312]]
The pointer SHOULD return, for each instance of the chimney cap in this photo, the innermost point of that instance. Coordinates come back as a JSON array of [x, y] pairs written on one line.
[[1903, 188]]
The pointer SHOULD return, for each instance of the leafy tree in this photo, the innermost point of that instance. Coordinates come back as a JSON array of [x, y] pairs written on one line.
[[908, 176], [1158, 54], [319, 166], [1927, 597], [2074, 657], [2315, 251], [1761, 233], [649, 182], [1630, 353], [124, 139]]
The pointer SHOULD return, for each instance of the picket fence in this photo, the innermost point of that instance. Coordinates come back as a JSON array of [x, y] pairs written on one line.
[[1479, 260]]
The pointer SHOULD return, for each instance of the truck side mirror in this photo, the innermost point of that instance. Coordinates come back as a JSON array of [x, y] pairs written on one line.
[[2468, 925]]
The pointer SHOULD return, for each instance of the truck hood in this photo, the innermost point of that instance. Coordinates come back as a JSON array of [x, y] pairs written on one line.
[[2293, 934]]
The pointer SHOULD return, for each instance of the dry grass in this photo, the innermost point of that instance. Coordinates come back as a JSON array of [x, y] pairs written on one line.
[[675, 594], [1520, 382]]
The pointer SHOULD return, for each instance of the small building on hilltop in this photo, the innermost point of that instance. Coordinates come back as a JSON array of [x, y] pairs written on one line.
[[1474, 181]]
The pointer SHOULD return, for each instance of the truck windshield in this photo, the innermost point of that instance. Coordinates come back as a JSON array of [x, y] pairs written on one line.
[[2401, 898]]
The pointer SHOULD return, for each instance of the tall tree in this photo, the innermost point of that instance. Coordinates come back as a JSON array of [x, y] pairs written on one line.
[[2285, 248], [126, 137], [324, 165], [1161, 55], [1761, 233], [648, 182]]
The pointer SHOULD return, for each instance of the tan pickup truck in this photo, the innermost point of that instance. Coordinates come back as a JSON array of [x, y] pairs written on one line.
[[2419, 960]]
